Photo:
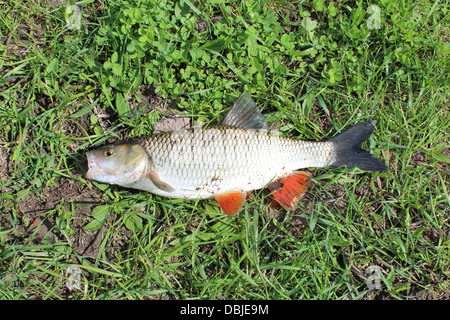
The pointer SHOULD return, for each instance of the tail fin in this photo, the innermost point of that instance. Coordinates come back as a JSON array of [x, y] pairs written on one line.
[[349, 152]]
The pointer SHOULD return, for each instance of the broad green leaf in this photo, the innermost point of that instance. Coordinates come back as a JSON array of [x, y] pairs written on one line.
[[309, 24], [99, 215], [133, 222], [82, 112], [122, 105]]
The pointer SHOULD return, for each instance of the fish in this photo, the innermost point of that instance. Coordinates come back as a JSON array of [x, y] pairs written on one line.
[[228, 161]]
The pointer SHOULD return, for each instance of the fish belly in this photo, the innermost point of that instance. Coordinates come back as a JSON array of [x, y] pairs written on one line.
[[202, 163]]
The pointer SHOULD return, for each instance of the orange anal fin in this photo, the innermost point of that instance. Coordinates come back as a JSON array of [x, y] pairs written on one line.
[[288, 190], [231, 202]]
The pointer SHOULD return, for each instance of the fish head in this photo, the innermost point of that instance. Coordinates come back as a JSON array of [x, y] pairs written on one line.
[[117, 164]]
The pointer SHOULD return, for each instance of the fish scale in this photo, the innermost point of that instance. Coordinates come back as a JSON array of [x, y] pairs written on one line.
[[202, 163]]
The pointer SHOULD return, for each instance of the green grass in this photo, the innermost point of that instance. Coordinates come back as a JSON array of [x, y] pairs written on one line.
[[314, 67]]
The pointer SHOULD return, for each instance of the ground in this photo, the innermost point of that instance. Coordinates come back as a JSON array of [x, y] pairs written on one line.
[[313, 71]]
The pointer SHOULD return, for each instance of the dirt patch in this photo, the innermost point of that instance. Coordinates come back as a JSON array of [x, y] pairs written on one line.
[[150, 100], [67, 203], [4, 173], [172, 124], [60, 212]]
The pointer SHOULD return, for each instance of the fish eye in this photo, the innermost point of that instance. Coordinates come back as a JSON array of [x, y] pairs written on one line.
[[108, 152]]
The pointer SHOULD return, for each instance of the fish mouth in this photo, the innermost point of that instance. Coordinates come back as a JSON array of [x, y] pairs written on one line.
[[93, 165]]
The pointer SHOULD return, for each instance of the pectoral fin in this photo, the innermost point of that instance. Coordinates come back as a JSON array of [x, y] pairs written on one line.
[[231, 202], [288, 190], [154, 176]]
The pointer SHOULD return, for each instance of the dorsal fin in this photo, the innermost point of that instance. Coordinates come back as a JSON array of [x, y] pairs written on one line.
[[245, 114]]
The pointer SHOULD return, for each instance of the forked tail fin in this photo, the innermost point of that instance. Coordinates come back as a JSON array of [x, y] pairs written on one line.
[[349, 152]]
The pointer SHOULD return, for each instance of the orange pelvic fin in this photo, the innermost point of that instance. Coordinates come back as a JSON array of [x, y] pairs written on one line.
[[231, 202], [288, 190]]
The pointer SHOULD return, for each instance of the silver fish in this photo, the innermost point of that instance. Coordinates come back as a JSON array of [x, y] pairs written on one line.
[[228, 161]]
